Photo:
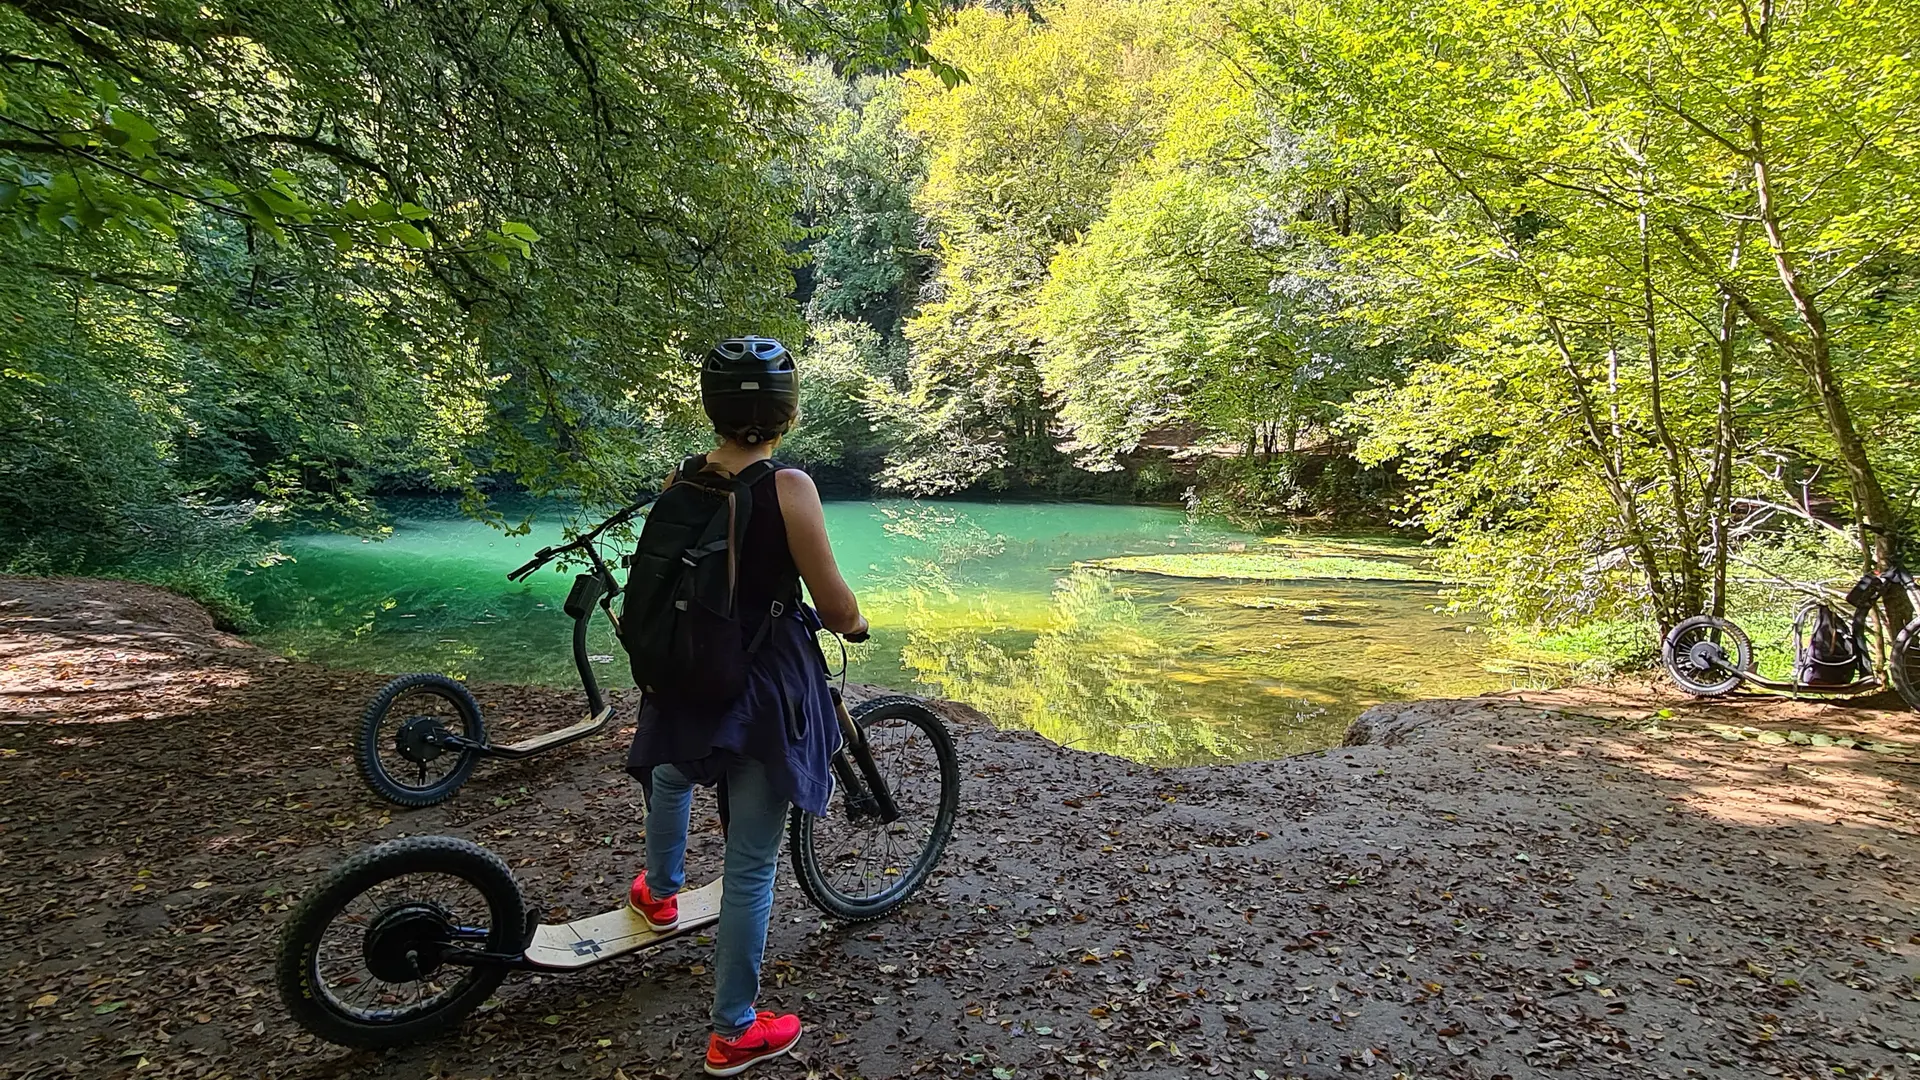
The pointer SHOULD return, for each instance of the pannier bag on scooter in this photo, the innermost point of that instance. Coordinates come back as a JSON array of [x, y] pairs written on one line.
[[1827, 653], [684, 635]]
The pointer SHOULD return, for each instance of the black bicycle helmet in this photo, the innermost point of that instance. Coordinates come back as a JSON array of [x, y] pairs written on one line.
[[750, 389]]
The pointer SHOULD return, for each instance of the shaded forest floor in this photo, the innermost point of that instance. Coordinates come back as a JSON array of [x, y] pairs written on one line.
[[1542, 884]]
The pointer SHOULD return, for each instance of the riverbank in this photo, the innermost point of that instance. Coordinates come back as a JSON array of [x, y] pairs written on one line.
[[1493, 886]]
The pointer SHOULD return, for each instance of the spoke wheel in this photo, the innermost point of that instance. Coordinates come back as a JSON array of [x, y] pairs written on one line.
[[360, 960], [1698, 650], [852, 865], [401, 754], [1905, 664]]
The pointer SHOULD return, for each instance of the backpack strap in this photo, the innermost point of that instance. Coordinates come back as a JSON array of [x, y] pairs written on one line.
[[689, 466], [758, 471]]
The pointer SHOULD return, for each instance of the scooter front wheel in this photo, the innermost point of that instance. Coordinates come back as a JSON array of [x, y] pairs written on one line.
[[402, 752], [362, 957], [1699, 651]]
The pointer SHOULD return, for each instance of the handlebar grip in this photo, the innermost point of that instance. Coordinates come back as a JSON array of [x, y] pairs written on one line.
[[539, 559], [863, 635]]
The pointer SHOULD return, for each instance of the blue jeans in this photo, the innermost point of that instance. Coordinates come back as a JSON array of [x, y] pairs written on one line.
[[755, 819]]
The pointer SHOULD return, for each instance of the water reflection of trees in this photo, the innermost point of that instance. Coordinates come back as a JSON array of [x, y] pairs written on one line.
[[1094, 675], [953, 535]]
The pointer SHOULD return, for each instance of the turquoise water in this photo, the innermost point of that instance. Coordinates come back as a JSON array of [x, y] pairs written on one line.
[[988, 603]]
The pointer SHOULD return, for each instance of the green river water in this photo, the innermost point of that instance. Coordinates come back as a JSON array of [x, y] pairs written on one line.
[[987, 603]]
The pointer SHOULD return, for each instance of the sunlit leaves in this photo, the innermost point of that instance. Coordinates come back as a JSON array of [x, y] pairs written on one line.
[[1021, 157], [1574, 192]]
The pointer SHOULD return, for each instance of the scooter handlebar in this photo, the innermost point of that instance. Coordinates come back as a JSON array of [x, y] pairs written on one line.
[[539, 560], [859, 636]]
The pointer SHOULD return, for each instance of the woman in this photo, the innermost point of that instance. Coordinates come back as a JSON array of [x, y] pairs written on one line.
[[771, 746]]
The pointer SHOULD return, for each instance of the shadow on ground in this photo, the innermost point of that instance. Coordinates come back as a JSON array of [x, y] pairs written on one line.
[[1566, 883]]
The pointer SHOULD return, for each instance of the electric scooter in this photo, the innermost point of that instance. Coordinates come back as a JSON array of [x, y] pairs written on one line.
[[1708, 656], [405, 938], [422, 734]]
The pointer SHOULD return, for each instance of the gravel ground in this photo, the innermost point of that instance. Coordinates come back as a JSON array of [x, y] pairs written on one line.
[[1567, 884]]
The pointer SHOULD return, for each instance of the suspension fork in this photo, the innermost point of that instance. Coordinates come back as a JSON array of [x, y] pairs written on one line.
[[866, 789]]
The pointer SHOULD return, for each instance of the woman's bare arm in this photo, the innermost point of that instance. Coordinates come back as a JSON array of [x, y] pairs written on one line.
[[807, 539]]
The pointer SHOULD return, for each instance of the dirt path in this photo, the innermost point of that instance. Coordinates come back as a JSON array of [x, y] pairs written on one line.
[[1564, 884]]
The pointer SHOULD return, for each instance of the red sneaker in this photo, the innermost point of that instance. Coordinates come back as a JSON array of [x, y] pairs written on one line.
[[770, 1036], [660, 914]]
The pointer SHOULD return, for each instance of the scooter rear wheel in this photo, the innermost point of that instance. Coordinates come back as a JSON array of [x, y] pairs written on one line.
[[360, 960], [1696, 649], [399, 755], [1905, 663], [851, 864]]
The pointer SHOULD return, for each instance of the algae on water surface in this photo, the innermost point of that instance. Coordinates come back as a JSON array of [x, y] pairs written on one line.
[[1266, 566]]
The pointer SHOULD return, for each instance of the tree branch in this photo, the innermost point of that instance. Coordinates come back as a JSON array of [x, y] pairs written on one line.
[[56, 148], [318, 146], [192, 32]]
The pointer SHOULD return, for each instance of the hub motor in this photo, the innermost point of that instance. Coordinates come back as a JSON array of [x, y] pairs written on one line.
[[1707, 657], [418, 739], [405, 941]]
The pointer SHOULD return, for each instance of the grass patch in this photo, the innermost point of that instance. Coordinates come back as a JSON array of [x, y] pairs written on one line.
[[1267, 566], [1592, 650]]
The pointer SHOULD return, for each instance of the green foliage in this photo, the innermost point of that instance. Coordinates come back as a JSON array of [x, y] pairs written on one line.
[[1601, 289], [1619, 334], [1194, 300], [844, 365], [1115, 262], [279, 257], [1020, 159], [861, 174]]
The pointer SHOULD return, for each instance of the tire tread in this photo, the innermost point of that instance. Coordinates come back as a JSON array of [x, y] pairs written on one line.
[[806, 866], [1904, 643], [299, 936], [367, 749]]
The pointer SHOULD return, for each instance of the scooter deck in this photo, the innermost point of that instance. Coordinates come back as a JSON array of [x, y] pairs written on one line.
[[554, 738], [614, 933]]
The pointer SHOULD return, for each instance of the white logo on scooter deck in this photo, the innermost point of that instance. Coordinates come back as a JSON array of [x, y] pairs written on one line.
[[622, 930]]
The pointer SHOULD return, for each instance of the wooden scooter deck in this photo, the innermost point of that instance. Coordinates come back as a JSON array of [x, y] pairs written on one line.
[[587, 724], [614, 933]]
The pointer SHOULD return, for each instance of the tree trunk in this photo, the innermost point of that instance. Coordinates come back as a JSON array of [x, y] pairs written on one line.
[[1624, 500], [1870, 505], [1720, 484], [1689, 599]]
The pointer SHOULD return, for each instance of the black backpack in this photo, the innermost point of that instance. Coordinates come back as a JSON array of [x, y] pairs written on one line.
[[685, 637], [1828, 656]]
